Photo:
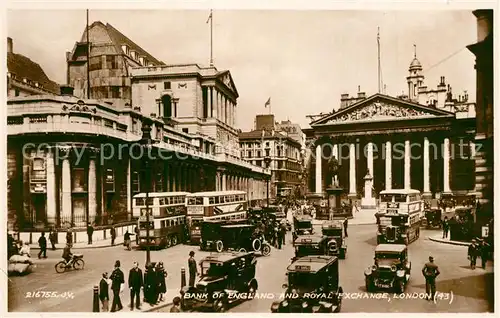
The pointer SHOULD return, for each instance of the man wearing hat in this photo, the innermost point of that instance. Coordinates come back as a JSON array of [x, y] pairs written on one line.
[[193, 268], [135, 283], [104, 292], [472, 253], [117, 281], [430, 272]]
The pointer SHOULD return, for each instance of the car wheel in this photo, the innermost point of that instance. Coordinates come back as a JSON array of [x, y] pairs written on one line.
[[174, 240], [266, 249], [219, 246], [256, 245], [242, 250], [168, 242], [220, 305], [60, 267]]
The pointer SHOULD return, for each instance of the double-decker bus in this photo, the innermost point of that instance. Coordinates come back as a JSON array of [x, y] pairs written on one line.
[[399, 216], [167, 218], [213, 205]]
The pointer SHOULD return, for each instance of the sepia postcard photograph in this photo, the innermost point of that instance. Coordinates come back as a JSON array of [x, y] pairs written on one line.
[[212, 159]]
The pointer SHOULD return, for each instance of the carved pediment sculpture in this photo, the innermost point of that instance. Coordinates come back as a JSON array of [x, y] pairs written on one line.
[[79, 107], [379, 111]]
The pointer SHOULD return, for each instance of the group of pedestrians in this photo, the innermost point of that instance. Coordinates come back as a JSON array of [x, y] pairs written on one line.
[[152, 283], [478, 249]]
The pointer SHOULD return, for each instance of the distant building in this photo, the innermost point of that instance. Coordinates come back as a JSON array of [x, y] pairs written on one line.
[[112, 55], [422, 140], [483, 50], [293, 131], [266, 147], [26, 77]]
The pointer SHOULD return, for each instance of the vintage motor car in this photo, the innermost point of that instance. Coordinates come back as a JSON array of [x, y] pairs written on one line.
[[302, 225], [312, 286], [391, 268], [210, 232], [310, 245], [240, 237], [337, 242], [226, 278]]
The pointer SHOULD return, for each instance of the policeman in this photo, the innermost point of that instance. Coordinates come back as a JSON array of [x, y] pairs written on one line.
[[472, 253], [430, 272]]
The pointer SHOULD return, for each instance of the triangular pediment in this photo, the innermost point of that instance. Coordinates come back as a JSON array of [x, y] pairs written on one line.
[[381, 108], [227, 80]]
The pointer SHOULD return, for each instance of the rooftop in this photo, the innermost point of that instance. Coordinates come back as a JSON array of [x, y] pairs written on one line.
[[391, 248], [224, 257], [311, 264]]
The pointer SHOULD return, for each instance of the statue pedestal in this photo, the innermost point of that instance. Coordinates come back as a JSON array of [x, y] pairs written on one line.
[[333, 196], [368, 202]]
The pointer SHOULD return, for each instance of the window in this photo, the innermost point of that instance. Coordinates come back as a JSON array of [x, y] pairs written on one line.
[[125, 49], [249, 154], [135, 182], [167, 105], [167, 85], [211, 200], [38, 170], [115, 92], [259, 154], [95, 63], [267, 152], [111, 62], [79, 180], [186, 130], [17, 92], [109, 180]]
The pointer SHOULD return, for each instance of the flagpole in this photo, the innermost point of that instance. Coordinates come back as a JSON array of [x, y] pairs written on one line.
[[211, 38], [378, 50], [88, 57]]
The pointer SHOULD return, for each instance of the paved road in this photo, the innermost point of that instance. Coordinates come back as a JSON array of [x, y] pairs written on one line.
[[471, 289]]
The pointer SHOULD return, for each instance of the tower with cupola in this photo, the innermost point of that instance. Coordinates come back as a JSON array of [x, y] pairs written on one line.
[[415, 78]]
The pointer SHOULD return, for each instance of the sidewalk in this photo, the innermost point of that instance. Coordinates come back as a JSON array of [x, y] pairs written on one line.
[[82, 245], [439, 239]]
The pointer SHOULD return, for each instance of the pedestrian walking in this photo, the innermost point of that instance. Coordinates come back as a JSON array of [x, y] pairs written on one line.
[[69, 237], [42, 243], [126, 240], [430, 272], [112, 232], [117, 281], [446, 226], [90, 232], [150, 285], [177, 305], [161, 274], [136, 231], [345, 227], [472, 253], [484, 248], [193, 269], [135, 283], [53, 239], [104, 292], [283, 231]]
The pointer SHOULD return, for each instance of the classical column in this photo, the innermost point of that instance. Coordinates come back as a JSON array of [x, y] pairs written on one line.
[[446, 166], [66, 204], [335, 151], [217, 181], [388, 165], [209, 102], [92, 188], [427, 183], [407, 170], [51, 189], [224, 182], [369, 159], [319, 182], [234, 114], [352, 170], [129, 187]]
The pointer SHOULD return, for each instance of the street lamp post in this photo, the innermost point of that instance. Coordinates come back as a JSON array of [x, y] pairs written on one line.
[[146, 143], [267, 161]]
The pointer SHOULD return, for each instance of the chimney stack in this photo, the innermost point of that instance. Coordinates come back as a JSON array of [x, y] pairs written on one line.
[[10, 45], [66, 90]]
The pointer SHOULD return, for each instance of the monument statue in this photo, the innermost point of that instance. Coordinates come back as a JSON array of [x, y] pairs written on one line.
[[333, 170]]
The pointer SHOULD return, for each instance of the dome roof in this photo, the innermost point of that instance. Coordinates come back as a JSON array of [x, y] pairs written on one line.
[[415, 63]]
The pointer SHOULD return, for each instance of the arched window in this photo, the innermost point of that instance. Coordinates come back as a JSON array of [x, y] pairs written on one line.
[[166, 101]]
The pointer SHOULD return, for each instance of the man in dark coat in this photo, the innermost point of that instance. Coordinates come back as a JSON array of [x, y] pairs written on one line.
[[135, 283], [430, 272], [136, 231], [67, 255], [484, 248], [69, 237], [104, 292], [472, 253], [193, 268], [90, 231], [150, 285], [42, 242], [53, 239], [345, 227], [112, 231], [446, 227], [126, 240], [117, 281]]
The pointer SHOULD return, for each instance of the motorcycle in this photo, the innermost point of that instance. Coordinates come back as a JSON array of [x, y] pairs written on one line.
[[76, 262]]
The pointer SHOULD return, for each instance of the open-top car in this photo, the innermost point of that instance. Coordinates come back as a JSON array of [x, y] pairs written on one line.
[[310, 245], [312, 287], [240, 237], [225, 279], [302, 225], [337, 243], [391, 268]]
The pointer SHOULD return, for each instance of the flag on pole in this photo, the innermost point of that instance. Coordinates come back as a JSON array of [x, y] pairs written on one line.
[[268, 103], [209, 17]]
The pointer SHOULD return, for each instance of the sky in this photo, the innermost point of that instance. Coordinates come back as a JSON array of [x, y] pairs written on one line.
[[302, 60]]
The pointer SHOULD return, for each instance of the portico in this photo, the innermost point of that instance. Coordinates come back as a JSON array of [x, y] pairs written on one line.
[[399, 143]]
